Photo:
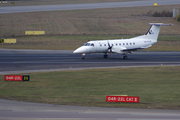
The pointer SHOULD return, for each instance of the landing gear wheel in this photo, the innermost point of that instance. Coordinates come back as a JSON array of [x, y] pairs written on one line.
[[83, 57], [105, 56], [125, 57]]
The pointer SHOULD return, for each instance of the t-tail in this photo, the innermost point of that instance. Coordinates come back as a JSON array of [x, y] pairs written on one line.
[[153, 32]]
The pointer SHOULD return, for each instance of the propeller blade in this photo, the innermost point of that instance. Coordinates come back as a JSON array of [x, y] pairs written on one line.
[[110, 47]]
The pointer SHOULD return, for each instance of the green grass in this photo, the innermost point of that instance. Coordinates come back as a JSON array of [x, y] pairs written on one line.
[[110, 21], [71, 42], [169, 38], [157, 87]]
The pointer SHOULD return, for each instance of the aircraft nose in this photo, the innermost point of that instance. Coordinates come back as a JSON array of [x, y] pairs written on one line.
[[76, 51], [79, 50]]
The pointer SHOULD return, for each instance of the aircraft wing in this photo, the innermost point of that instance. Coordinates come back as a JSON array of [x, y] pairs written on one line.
[[124, 49], [118, 49], [134, 49]]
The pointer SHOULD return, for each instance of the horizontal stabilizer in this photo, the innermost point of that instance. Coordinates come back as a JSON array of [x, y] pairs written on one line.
[[159, 24]]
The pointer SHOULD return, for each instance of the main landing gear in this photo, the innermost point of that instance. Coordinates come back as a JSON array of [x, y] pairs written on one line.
[[105, 56], [125, 57]]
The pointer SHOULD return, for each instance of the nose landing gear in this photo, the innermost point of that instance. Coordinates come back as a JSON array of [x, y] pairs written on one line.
[[83, 56]]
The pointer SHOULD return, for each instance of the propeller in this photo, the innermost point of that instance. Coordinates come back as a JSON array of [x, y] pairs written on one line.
[[110, 47]]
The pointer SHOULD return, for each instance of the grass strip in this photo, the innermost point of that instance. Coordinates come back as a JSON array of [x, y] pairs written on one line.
[[71, 42], [107, 21], [157, 87]]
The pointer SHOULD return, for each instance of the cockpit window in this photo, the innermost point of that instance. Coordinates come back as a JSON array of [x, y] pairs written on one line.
[[89, 44], [92, 44]]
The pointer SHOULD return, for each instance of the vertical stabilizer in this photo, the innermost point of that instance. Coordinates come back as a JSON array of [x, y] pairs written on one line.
[[153, 31]]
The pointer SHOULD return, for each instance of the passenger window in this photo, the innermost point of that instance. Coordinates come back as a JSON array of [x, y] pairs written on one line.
[[130, 44], [116, 44], [133, 43], [123, 43], [126, 43], [104, 44], [119, 43]]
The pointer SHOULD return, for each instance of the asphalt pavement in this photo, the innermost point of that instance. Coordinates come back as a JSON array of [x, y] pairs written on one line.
[[10, 110], [25, 61], [36, 8]]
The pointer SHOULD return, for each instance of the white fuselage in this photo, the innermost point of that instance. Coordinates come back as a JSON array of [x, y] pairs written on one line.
[[118, 45], [122, 46]]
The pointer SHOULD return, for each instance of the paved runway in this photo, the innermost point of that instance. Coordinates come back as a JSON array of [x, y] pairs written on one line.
[[24, 61], [19, 61], [10, 110], [18, 9]]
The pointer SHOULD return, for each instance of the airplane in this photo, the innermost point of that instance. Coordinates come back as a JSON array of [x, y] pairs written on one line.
[[121, 46]]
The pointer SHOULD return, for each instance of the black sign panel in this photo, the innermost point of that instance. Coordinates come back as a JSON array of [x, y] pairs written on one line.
[[26, 77]]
